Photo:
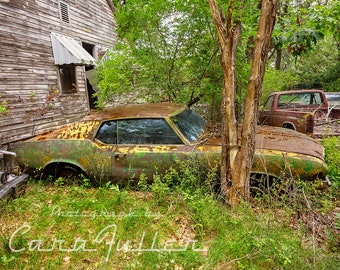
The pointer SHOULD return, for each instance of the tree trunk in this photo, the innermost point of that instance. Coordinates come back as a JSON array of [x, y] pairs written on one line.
[[228, 38], [245, 155], [237, 154], [278, 59]]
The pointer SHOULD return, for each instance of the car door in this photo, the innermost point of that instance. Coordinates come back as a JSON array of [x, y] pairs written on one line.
[[142, 145], [147, 145], [266, 115]]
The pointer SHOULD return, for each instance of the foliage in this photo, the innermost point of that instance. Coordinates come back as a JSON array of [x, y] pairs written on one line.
[[184, 176], [166, 52], [182, 210], [326, 17], [308, 31], [3, 108], [321, 69], [278, 80], [332, 157], [303, 25]]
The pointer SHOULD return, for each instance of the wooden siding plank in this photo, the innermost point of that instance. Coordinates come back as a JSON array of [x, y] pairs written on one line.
[[27, 70]]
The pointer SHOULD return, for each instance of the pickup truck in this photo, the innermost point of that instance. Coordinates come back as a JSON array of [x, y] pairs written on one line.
[[306, 111]]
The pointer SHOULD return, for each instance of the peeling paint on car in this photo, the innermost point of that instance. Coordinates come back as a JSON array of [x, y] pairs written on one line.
[[278, 151], [278, 162], [78, 130]]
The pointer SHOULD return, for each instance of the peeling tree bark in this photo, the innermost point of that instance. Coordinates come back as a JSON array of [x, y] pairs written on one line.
[[228, 43], [238, 153]]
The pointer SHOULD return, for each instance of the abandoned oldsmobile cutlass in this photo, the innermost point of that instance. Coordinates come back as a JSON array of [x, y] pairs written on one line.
[[123, 142]]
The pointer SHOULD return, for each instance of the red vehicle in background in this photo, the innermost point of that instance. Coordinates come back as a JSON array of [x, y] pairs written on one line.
[[306, 111]]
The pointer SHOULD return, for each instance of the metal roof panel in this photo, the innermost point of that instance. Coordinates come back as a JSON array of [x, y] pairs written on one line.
[[67, 50]]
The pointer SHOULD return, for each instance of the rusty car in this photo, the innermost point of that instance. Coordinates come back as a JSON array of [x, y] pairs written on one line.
[[125, 141], [307, 111]]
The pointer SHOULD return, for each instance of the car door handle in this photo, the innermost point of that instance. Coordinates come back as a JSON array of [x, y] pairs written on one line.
[[119, 155]]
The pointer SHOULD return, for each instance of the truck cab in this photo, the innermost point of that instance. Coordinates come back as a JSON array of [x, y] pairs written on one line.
[[293, 109]]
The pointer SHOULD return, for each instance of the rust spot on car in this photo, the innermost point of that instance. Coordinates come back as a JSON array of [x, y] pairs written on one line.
[[288, 141], [78, 130], [276, 149]]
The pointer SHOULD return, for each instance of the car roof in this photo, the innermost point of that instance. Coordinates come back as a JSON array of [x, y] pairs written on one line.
[[150, 110], [297, 91]]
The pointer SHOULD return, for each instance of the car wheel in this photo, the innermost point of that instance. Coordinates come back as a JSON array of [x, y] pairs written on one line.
[[68, 172], [261, 184], [65, 172], [289, 126]]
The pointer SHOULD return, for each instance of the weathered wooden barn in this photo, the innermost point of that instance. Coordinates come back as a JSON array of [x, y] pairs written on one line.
[[45, 48]]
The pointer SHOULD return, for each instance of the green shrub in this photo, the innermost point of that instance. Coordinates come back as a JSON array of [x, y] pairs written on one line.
[[332, 157], [297, 230]]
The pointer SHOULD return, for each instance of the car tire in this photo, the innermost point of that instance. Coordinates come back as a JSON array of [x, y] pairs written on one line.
[[260, 184], [68, 172]]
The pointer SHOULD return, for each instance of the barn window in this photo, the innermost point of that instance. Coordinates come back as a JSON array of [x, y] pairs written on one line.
[[89, 48], [67, 75], [64, 12]]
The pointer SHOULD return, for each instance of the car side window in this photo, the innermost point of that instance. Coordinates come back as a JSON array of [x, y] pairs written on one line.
[[107, 132], [268, 105], [317, 99], [137, 131], [146, 131]]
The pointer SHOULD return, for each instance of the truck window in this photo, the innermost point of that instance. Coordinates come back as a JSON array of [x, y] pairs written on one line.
[[268, 105], [299, 99], [317, 99]]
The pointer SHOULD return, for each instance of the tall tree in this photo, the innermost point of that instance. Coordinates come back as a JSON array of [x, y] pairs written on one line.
[[166, 51], [238, 142]]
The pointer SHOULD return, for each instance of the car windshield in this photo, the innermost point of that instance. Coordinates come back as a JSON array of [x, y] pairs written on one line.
[[190, 124]]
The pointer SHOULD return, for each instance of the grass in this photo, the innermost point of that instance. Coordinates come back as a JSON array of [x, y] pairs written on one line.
[[169, 225], [74, 227]]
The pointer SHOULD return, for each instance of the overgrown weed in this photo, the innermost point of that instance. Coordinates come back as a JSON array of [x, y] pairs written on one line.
[[176, 221]]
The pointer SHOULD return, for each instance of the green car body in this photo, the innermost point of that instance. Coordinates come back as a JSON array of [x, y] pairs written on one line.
[[123, 142]]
